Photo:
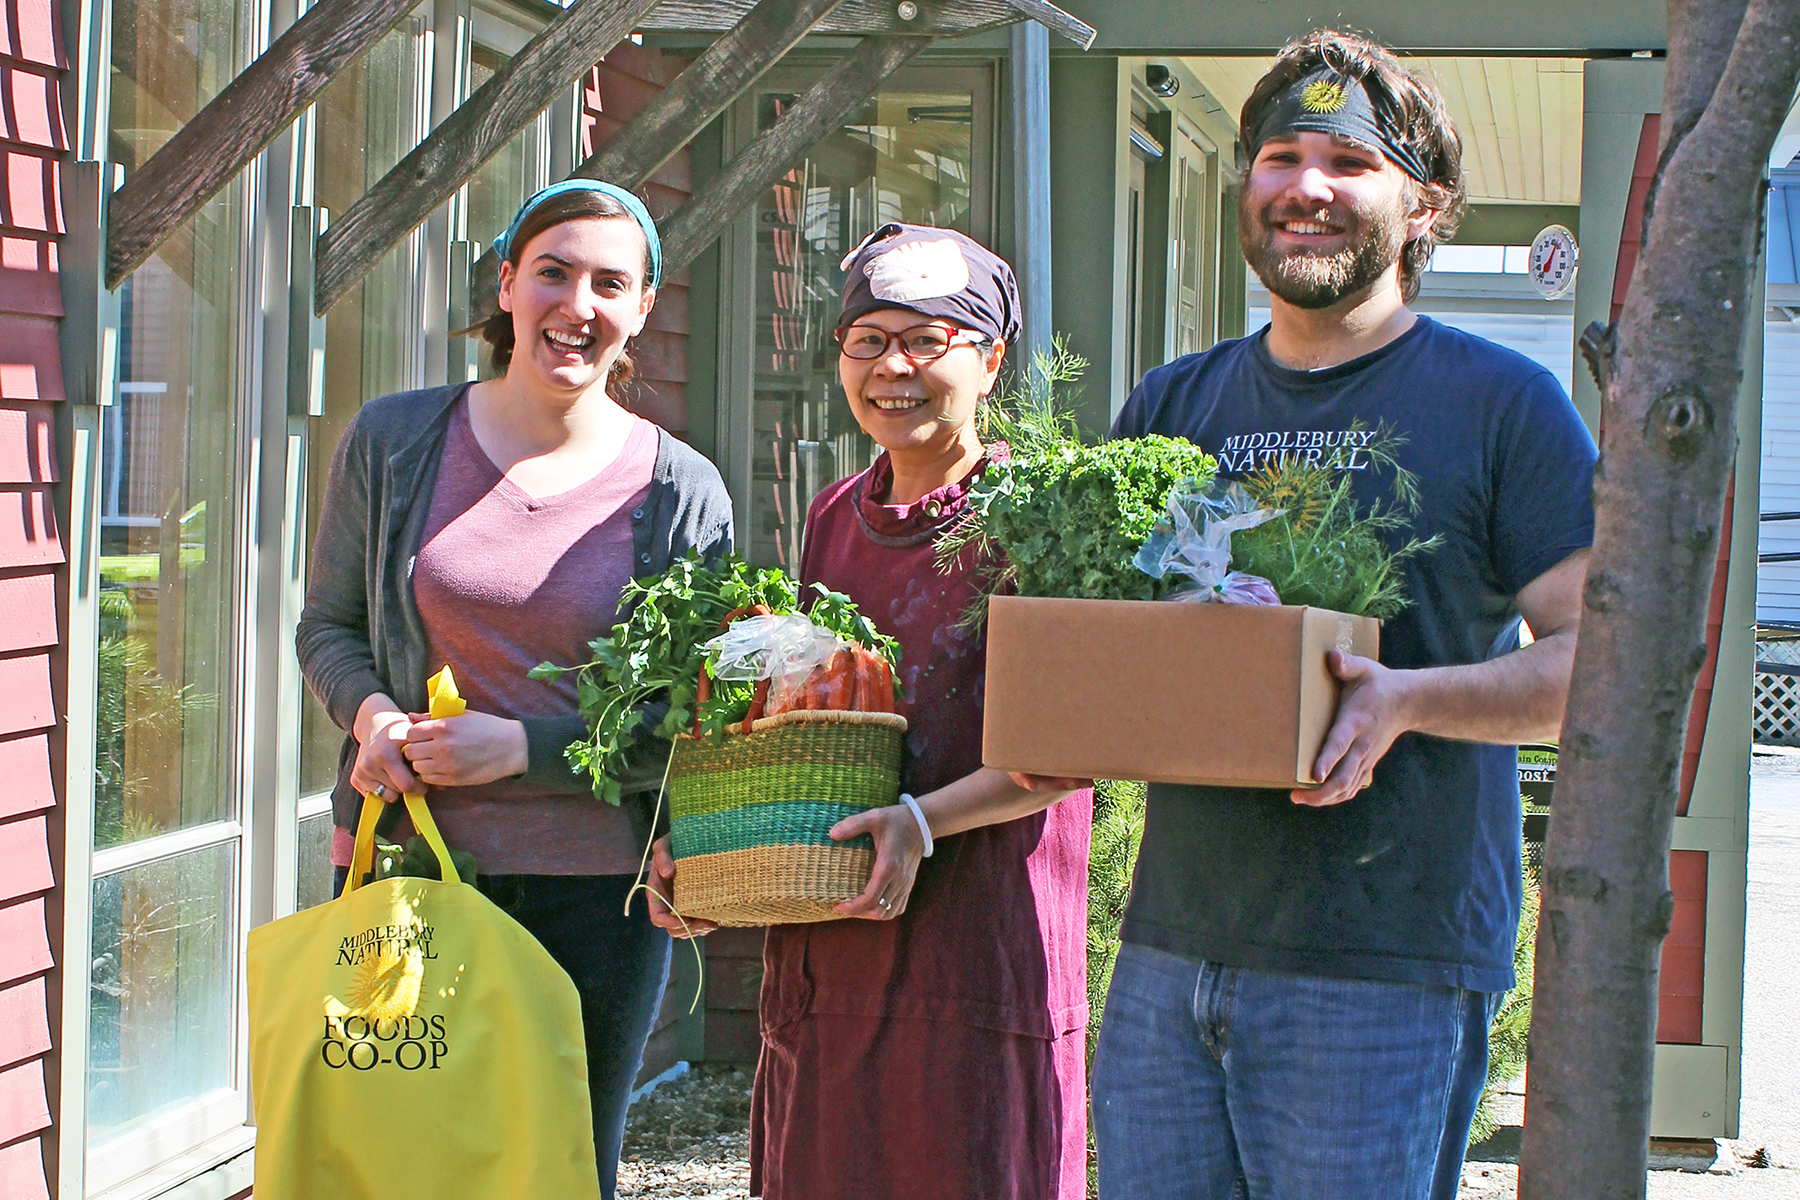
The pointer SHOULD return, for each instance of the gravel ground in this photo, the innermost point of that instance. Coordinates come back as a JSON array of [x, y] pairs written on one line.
[[690, 1136]]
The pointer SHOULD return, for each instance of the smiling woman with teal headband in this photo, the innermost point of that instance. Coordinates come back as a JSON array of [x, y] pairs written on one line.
[[490, 527]]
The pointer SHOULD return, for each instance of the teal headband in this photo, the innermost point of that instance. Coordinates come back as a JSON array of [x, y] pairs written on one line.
[[632, 204]]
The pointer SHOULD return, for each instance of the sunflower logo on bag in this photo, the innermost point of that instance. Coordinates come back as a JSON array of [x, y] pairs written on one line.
[[1323, 96], [385, 985]]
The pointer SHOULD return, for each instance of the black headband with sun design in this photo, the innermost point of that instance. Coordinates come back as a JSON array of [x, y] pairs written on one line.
[[1327, 102]]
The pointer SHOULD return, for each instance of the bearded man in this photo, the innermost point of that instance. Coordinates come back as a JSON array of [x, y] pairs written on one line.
[[1300, 1009]]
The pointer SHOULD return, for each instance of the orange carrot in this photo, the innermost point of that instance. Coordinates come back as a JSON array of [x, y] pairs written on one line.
[[840, 682]]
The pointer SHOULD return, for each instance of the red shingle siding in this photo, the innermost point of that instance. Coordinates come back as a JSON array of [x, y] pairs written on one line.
[[24, 940], [25, 768], [30, 355], [27, 614], [28, 536], [32, 31], [29, 110], [33, 140], [32, 197], [24, 1108], [24, 1028], [22, 1171], [613, 93], [1681, 986], [28, 276], [25, 858], [27, 439], [1632, 235]]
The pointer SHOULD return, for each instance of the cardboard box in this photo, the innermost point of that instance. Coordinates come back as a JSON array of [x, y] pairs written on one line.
[[1165, 691]]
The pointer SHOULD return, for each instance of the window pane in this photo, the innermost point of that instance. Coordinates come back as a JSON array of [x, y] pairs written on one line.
[[366, 124], [904, 156], [503, 182], [315, 862], [170, 470], [160, 1016]]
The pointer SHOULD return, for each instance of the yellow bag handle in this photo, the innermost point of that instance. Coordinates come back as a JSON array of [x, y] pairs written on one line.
[[446, 701]]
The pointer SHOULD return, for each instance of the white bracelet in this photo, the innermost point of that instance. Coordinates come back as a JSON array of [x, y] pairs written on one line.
[[919, 816]]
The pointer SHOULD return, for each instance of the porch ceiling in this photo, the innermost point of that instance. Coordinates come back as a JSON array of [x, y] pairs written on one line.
[[1520, 119]]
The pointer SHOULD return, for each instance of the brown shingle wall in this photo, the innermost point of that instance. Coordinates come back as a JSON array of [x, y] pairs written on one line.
[[33, 142], [613, 93]]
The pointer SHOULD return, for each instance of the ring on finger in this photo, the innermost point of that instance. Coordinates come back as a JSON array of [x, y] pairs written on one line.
[[381, 791], [884, 902]]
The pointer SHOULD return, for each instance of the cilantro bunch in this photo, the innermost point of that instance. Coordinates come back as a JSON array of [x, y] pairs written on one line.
[[1065, 517], [644, 679]]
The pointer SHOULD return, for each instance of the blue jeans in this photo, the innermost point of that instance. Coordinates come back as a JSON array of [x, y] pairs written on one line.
[[619, 964], [1215, 1083]]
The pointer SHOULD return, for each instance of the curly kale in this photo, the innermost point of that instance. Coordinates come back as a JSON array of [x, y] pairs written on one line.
[[1066, 517]]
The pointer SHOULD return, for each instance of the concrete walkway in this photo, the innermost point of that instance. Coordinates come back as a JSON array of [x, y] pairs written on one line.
[[1770, 1117]]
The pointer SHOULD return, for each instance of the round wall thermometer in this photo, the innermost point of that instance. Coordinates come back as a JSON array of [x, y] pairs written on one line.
[[1554, 256]]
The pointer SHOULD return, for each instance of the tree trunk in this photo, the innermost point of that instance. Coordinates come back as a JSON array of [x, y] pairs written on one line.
[[1669, 373]]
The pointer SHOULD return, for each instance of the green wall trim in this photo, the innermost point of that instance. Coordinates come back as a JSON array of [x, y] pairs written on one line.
[[1515, 224], [1182, 27], [1089, 139]]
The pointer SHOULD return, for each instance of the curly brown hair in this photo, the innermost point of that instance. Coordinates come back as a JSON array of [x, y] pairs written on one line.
[[1413, 104], [497, 331]]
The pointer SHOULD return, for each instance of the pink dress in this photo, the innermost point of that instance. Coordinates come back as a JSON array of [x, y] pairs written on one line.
[[943, 1053]]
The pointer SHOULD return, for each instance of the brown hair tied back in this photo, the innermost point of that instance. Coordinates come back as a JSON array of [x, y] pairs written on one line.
[[1417, 109], [497, 330]]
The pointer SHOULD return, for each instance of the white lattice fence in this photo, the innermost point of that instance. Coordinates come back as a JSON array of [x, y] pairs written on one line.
[[1777, 708]]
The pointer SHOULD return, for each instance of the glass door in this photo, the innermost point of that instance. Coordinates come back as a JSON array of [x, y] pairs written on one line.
[[162, 1067], [365, 121], [919, 152]]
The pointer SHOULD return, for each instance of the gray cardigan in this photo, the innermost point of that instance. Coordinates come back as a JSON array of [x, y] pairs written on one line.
[[360, 632]]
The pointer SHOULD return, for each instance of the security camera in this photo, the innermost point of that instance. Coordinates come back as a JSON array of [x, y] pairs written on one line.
[[1161, 80]]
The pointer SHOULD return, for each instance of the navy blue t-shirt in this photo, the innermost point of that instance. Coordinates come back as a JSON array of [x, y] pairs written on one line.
[[1416, 878]]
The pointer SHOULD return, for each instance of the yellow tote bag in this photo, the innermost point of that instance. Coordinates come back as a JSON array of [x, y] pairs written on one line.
[[410, 1040]]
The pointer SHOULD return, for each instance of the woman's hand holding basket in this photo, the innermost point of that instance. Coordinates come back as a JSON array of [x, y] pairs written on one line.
[[662, 890], [899, 848]]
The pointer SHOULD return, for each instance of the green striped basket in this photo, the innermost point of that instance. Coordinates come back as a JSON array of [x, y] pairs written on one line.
[[749, 816]]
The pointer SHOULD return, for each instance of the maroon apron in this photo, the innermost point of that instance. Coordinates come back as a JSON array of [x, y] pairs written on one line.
[[943, 1053]]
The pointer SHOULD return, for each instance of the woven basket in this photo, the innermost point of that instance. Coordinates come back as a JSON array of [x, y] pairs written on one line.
[[750, 816]]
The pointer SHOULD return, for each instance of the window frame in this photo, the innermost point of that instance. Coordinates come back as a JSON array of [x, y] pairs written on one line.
[[207, 1129]]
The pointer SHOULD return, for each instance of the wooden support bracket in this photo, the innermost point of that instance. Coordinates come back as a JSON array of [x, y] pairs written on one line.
[[1057, 21], [824, 107], [478, 129], [684, 108], [237, 124]]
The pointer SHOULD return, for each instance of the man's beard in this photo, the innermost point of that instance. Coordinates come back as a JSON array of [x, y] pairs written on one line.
[[1308, 280]]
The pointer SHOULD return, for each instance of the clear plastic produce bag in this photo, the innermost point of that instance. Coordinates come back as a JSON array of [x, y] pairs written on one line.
[[1194, 540], [785, 650]]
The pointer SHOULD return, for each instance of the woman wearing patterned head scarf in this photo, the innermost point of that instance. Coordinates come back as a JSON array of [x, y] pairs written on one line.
[[936, 1046]]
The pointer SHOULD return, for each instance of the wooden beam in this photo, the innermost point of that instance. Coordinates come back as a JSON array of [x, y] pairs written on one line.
[[704, 90], [1057, 21], [681, 110], [237, 124], [478, 129], [825, 106]]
